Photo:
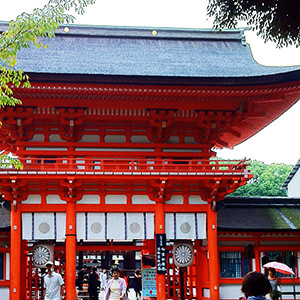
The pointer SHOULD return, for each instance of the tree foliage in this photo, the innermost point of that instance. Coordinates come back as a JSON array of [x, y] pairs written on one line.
[[23, 32], [274, 20], [266, 181]]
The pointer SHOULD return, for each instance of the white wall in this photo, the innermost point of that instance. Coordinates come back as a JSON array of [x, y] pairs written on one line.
[[4, 293], [230, 291], [294, 185]]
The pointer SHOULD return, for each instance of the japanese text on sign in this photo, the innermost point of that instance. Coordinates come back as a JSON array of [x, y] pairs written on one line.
[[161, 259]]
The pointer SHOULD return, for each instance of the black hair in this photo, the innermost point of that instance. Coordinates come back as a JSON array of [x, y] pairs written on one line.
[[255, 284], [272, 270], [115, 270], [137, 272]]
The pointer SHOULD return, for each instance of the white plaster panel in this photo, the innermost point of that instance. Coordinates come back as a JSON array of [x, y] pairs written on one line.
[[54, 199], [33, 199], [80, 226], [139, 139], [115, 199], [55, 138], [115, 138], [26, 226], [37, 138], [206, 293], [201, 226], [60, 226], [135, 226], [90, 138], [150, 225], [230, 291], [89, 199], [173, 139], [189, 140], [115, 226], [169, 225], [7, 266], [253, 265], [96, 226], [195, 199], [43, 226], [175, 199], [4, 292], [141, 199]]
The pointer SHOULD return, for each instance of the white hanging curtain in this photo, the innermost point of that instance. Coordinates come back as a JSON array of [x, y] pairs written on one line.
[[182, 226], [117, 226], [43, 226]]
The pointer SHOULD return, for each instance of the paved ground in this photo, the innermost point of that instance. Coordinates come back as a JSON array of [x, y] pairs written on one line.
[[131, 295]]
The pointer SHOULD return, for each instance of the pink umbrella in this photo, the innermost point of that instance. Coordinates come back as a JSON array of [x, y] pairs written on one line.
[[279, 267]]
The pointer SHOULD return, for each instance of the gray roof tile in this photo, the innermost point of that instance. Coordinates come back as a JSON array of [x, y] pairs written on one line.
[[123, 51]]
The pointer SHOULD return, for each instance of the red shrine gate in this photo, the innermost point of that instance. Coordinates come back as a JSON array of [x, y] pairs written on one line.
[[128, 159], [83, 174]]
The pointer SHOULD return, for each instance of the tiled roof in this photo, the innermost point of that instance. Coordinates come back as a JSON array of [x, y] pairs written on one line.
[[291, 175], [132, 51], [259, 214]]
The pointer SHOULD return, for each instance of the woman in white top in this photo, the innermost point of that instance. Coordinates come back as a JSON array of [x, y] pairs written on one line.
[[116, 287]]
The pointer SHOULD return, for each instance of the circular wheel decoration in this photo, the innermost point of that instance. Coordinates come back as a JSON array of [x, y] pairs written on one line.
[[41, 255], [183, 255]]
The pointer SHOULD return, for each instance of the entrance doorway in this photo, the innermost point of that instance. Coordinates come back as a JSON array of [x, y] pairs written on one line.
[[181, 283]]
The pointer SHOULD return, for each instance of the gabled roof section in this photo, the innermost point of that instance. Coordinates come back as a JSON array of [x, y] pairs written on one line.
[[259, 214], [149, 53], [291, 175]]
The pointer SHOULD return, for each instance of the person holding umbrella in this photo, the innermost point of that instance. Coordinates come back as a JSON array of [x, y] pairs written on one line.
[[273, 267], [275, 284]]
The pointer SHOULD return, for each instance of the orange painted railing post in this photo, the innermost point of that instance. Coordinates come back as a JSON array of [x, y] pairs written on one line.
[[160, 229], [70, 271], [15, 253], [213, 262]]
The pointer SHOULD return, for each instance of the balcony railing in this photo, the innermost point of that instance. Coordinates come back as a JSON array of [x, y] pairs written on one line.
[[96, 165]]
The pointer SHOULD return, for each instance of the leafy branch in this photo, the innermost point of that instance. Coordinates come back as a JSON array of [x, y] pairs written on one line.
[[25, 31], [274, 20]]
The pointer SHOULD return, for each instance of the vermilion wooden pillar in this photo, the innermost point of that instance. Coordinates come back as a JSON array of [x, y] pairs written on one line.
[[70, 271], [160, 228], [213, 263], [256, 254], [15, 254]]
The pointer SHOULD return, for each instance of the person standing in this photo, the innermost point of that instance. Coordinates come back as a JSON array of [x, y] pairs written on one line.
[[93, 284], [116, 287], [103, 279], [53, 284], [80, 277], [137, 284]]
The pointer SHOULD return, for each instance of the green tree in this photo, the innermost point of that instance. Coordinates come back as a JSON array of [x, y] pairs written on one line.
[[274, 20], [266, 181], [23, 32]]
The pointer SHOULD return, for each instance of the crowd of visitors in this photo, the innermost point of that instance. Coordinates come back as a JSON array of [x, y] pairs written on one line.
[[115, 286]]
